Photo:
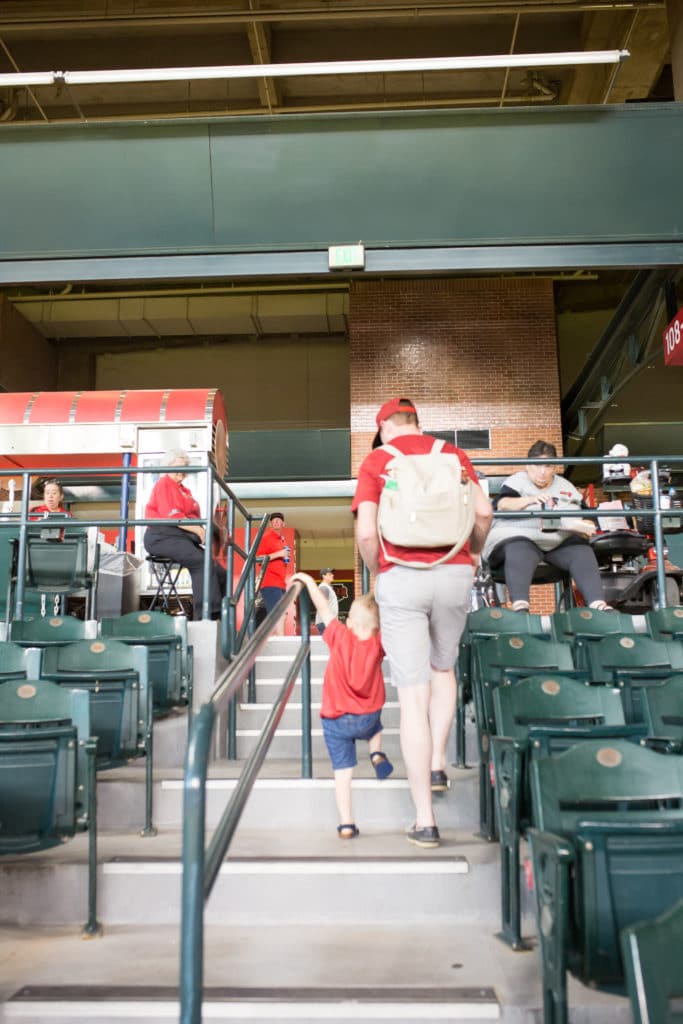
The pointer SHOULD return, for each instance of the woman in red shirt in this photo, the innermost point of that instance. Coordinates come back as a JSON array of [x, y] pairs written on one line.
[[184, 543], [53, 498]]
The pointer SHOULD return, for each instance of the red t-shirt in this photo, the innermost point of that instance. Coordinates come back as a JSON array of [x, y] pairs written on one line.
[[276, 572], [353, 683], [171, 500], [369, 488]]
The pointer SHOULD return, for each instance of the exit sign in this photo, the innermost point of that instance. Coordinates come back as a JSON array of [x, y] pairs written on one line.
[[347, 257], [673, 342]]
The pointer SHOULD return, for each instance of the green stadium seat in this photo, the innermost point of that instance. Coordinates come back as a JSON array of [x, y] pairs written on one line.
[[485, 622], [47, 773], [537, 717], [582, 626], [116, 678], [57, 564], [169, 654], [607, 852], [663, 713], [9, 538], [665, 623], [35, 631], [651, 951], [18, 662], [497, 661], [632, 663]]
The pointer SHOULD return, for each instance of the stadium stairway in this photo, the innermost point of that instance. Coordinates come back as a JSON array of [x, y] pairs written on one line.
[[301, 926]]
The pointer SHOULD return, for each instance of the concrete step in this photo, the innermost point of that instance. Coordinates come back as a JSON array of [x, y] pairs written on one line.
[[329, 972], [284, 803], [293, 877], [253, 716]]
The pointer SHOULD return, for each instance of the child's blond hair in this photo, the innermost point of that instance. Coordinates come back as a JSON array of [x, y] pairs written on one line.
[[367, 611]]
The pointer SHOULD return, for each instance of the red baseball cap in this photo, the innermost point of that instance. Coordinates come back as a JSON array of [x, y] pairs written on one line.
[[388, 409]]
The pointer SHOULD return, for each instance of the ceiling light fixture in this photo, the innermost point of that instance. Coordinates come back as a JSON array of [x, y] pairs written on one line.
[[336, 67]]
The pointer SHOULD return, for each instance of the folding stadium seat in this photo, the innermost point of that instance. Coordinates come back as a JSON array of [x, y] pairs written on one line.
[[18, 662], [497, 661], [169, 653], [47, 773], [582, 626], [632, 663], [485, 622], [116, 678], [663, 713], [537, 717], [35, 631], [665, 623], [57, 564], [607, 852], [651, 951]]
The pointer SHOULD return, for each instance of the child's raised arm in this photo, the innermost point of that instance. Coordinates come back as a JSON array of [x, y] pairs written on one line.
[[319, 600]]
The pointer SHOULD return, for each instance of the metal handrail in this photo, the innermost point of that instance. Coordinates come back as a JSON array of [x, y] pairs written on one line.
[[201, 863]]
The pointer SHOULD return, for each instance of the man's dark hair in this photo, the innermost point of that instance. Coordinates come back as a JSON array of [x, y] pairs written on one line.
[[542, 450]]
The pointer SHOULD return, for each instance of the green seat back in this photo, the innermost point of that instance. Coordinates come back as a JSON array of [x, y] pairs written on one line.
[[582, 626], [665, 623], [35, 631], [57, 566], [116, 677], [663, 708], [43, 767], [165, 637], [554, 703], [504, 659], [487, 622], [18, 662], [652, 960], [633, 662], [620, 808]]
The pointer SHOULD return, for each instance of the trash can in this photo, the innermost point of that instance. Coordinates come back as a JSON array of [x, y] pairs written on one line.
[[118, 584]]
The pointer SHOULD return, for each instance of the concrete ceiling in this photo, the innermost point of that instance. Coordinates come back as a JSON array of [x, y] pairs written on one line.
[[69, 35]]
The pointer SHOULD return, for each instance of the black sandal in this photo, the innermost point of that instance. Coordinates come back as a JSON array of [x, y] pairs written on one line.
[[347, 831]]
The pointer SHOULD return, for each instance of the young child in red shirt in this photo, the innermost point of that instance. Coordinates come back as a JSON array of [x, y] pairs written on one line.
[[353, 694]]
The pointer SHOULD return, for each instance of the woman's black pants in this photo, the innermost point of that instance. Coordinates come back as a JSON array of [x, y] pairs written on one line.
[[183, 548], [578, 559]]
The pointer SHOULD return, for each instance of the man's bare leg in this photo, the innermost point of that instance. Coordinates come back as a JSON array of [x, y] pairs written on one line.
[[441, 712], [416, 746]]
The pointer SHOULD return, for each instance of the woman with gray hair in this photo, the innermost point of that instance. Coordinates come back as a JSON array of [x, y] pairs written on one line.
[[183, 543]]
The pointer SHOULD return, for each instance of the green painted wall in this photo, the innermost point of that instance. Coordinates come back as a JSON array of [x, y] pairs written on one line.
[[434, 178]]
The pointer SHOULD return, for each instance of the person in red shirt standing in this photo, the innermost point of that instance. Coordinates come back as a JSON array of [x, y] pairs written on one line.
[[353, 694], [184, 543], [274, 582], [422, 613]]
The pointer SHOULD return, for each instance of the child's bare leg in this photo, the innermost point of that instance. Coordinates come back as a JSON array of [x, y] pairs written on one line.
[[375, 743], [342, 792]]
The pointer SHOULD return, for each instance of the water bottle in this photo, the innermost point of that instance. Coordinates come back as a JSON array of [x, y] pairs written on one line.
[[666, 500], [286, 558]]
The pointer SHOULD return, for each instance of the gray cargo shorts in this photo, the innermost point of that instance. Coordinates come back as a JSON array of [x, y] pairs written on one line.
[[422, 615]]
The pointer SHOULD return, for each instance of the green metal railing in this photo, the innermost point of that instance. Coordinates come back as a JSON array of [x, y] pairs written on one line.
[[202, 863]]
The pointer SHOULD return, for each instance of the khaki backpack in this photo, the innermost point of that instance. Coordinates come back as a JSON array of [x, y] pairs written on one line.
[[426, 502]]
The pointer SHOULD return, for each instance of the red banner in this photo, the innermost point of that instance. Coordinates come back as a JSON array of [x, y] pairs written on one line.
[[673, 341]]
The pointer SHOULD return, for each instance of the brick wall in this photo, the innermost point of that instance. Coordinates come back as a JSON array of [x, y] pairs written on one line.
[[471, 353]]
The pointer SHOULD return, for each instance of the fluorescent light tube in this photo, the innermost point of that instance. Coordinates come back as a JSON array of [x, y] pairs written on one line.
[[337, 67]]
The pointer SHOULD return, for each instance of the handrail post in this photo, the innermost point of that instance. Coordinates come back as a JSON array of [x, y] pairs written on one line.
[[21, 556], [365, 579], [208, 544], [125, 497], [306, 745], [659, 533], [194, 825], [249, 594]]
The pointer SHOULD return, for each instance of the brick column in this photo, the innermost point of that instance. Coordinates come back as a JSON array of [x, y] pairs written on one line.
[[472, 352]]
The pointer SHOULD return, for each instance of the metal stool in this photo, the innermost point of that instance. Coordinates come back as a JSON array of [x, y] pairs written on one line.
[[166, 573]]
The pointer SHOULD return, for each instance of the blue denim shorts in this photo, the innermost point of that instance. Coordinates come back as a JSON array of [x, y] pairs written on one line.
[[341, 735]]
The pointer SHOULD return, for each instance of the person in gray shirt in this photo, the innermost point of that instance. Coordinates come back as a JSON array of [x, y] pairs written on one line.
[[326, 580]]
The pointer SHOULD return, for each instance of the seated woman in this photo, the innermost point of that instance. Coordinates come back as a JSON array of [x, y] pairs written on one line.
[[183, 543], [520, 544], [53, 501]]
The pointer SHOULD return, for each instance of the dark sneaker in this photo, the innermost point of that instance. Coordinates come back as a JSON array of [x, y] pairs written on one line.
[[427, 837], [439, 782]]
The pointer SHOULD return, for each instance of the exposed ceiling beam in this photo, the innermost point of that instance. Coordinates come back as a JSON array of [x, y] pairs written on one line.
[[259, 44]]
